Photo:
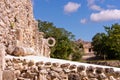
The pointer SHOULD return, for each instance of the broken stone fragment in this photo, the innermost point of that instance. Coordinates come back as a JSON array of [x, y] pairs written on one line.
[[31, 63], [57, 69], [18, 66], [55, 64], [73, 76], [65, 65], [99, 70], [90, 69], [72, 67], [102, 76], [22, 51], [39, 63], [43, 71], [80, 68], [18, 51]]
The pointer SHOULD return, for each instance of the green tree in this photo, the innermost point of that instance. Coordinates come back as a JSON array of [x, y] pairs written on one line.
[[108, 44], [99, 44], [64, 39], [113, 42], [78, 51]]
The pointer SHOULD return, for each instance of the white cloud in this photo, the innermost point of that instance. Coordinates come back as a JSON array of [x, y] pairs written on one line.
[[91, 2], [93, 6], [96, 7], [106, 15], [111, 6], [83, 21], [71, 7]]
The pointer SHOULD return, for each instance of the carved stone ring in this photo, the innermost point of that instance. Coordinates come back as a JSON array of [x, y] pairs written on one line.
[[50, 39]]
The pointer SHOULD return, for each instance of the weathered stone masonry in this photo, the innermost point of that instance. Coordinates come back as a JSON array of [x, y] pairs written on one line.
[[19, 36], [24, 69], [19, 31]]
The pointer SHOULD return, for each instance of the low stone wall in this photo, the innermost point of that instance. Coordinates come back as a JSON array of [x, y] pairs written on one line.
[[24, 69], [105, 63]]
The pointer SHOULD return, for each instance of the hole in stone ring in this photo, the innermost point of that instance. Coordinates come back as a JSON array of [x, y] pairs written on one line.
[[50, 42]]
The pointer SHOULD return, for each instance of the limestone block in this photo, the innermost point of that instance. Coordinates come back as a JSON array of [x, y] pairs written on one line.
[[99, 70], [102, 76], [8, 75], [73, 76], [90, 69], [54, 75], [72, 67], [111, 78], [2, 57], [43, 71], [1, 75], [10, 49], [55, 64], [39, 63], [23, 51], [42, 77], [17, 73], [92, 75], [19, 34], [47, 64], [83, 74], [57, 69], [18, 51], [18, 66], [80, 68], [66, 65], [31, 63]]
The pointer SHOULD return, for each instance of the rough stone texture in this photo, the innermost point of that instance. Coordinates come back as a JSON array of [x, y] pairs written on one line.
[[18, 29], [30, 70], [8, 75], [2, 59], [1, 75], [113, 63], [19, 36]]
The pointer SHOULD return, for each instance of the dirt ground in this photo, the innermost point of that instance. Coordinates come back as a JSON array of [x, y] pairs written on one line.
[[90, 57]]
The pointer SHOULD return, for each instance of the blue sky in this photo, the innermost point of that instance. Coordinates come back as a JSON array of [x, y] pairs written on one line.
[[84, 18]]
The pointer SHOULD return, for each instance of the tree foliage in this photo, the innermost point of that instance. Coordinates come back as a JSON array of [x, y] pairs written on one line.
[[78, 51], [64, 45], [108, 44]]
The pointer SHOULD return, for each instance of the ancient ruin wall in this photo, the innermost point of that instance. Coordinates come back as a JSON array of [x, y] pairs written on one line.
[[19, 28], [50, 69]]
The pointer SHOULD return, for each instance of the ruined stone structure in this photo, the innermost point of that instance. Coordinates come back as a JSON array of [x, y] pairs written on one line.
[[19, 31], [87, 47], [19, 36], [55, 69]]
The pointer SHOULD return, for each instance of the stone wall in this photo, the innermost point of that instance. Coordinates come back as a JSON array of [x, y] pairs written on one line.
[[19, 31], [114, 63], [24, 69], [19, 36], [87, 46]]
